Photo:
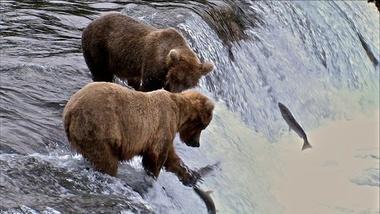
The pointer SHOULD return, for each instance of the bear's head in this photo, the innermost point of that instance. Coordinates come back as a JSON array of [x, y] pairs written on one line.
[[198, 118], [184, 70]]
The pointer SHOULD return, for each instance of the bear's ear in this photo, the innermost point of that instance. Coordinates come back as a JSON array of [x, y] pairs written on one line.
[[173, 57], [207, 67]]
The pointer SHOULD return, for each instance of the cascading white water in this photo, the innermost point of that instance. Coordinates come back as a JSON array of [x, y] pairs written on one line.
[[315, 57]]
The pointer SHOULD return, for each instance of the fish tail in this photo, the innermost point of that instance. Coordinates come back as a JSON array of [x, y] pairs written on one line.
[[205, 196], [306, 144]]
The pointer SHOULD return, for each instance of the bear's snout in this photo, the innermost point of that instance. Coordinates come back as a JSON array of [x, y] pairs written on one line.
[[193, 143]]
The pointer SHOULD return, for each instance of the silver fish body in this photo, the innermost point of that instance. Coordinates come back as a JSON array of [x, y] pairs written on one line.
[[293, 124]]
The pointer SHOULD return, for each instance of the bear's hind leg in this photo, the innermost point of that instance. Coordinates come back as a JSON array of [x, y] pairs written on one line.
[[100, 155]]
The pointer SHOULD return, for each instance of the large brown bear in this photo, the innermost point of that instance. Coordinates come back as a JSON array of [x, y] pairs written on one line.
[[108, 123], [149, 58]]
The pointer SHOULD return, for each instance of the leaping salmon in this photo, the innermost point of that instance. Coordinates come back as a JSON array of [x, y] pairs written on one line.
[[288, 117]]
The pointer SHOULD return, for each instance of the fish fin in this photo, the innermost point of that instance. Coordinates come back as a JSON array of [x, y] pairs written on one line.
[[306, 145], [207, 169]]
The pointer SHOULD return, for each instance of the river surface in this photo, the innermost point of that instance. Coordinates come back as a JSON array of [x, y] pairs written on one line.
[[319, 58]]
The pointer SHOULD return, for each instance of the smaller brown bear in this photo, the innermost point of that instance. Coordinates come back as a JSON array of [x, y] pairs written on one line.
[[108, 123], [149, 58]]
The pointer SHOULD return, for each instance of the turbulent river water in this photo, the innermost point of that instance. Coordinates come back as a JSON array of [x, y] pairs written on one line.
[[320, 58]]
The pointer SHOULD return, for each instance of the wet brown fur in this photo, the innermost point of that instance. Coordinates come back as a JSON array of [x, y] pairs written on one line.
[[108, 123], [116, 44]]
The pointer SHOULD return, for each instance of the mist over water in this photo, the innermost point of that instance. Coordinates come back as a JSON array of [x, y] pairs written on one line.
[[319, 58]]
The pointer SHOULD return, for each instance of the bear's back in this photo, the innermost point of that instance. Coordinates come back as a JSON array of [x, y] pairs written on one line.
[[116, 25], [110, 104]]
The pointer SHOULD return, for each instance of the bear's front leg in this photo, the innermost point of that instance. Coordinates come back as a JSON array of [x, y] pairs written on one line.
[[185, 175], [153, 161]]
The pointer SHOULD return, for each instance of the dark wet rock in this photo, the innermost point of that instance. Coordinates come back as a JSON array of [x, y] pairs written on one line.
[[230, 22]]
